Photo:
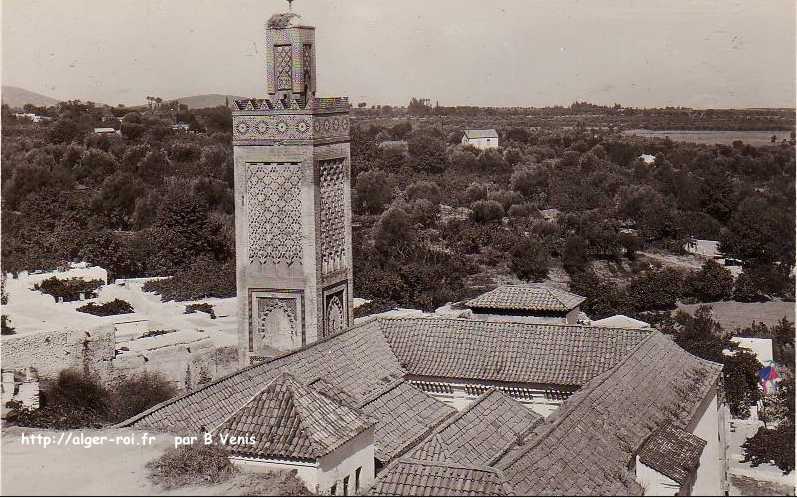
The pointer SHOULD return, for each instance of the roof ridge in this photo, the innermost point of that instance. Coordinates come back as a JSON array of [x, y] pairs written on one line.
[[378, 394], [450, 465], [514, 324], [317, 445], [135, 418], [561, 416]]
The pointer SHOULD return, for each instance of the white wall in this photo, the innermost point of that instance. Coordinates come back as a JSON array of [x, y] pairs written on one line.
[[356, 453], [654, 483], [481, 143], [706, 425]]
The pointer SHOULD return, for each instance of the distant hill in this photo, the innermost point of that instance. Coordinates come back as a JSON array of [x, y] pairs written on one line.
[[18, 97], [208, 100]]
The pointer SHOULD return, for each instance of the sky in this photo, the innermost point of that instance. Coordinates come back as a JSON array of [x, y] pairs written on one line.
[[641, 53]]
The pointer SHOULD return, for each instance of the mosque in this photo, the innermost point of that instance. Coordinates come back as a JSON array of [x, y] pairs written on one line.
[[429, 405]]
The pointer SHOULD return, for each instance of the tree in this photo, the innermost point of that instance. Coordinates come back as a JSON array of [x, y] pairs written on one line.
[[153, 167], [373, 191], [117, 198], [574, 255], [746, 290], [65, 130], [428, 153], [712, 283], [740, 380], [530, 260], [760, 232], [425, 190], [393, 233]]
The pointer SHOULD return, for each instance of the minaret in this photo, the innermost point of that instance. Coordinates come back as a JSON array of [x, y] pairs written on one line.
[[292, 202]]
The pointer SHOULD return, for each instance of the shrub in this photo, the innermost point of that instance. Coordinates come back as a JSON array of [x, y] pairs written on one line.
[[393, 232], [575, 254], [191, 465], [530, 260], [74, 401], [204, 278], [487, 211], [475, 192], [520, 210], [5, 326], [746, 290], [203, 307], [771, 445], [69, 289], [138, 393], [115, 307], [424, 190]]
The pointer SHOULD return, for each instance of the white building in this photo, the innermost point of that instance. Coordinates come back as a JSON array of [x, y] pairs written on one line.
[[481, 139], [107, 131]]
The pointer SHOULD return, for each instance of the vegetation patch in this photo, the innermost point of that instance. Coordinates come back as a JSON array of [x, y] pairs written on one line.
[[156, 333], [76, 400], [203, 279], [69, 289], [198, 464], [203, 307], [115, 307], [5, 326]]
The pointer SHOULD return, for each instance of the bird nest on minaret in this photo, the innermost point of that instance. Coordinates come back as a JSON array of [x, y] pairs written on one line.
[[281, 21]]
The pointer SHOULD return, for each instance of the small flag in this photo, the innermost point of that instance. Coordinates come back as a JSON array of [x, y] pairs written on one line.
[[768, 376]]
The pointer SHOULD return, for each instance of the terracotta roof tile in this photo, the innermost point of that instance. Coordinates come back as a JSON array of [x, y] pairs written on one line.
[[507, 351], [586, 446], [404, 415], [479, 434], [408, 477], [288, 419], [673, 452], [532, 297]]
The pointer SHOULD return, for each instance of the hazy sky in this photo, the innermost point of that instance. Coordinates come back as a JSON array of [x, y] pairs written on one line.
[[698, 53]]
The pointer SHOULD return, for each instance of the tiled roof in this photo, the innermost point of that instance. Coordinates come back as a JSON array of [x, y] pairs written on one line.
[[673, 452], [507, 351], [481, 433], [585, 447], [532, 297], [403, 416], [357, 361], [290, 420], [408, 477], [491, 133]]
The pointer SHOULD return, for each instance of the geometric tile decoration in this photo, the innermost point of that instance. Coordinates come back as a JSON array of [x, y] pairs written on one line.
[[333, 227], [283, 67], [290, 127], [273, 198]]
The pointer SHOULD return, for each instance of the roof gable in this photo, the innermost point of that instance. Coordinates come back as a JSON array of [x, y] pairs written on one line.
[[488, 133], [673, 452], [290, 420], [527, 298], [585, 447], [529, 353], [481, 433]]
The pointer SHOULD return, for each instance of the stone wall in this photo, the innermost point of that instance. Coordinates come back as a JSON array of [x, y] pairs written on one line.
[[186, 365], [91, 351]]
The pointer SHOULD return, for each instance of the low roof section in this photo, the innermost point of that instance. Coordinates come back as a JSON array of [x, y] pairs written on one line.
[[527, 298], [488, 133], [673, 452]]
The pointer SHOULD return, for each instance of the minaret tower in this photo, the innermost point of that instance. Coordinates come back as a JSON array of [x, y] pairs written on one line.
[[292, 202]]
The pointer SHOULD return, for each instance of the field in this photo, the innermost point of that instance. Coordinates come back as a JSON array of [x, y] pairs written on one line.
[[732, 314], [711, 137]]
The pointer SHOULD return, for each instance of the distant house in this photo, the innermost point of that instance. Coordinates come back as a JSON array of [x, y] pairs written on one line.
[[107, 131], [181, 127], [647, 158], [33, 117], [481, 139], [534, 303], [400, 145]]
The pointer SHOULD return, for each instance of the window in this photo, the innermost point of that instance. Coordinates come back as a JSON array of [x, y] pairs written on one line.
[[357, 479], [334, 489], [346, 486]]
